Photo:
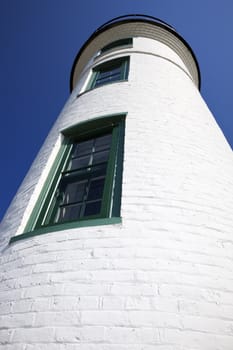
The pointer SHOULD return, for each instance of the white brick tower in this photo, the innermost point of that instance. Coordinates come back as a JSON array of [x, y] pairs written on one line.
[[121, 235]]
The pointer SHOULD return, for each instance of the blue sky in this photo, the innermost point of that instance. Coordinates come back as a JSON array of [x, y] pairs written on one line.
[[40, 39]]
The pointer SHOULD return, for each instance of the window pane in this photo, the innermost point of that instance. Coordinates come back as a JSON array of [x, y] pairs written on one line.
[[99, 170], [109, 71], [83, 148], [103, 142], [74, 192], [92, 208], [107, 80], [100, 157], [108, 74], [96, 188], [68, 213], [81, 162]]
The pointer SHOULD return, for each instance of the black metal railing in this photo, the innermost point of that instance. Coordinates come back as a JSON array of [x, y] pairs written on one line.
[[133, 17]]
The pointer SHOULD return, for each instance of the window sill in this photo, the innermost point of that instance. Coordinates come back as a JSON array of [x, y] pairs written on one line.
[[67, 226]]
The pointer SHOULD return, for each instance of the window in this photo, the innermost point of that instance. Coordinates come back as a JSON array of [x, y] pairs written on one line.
[[80, 191], [86, 184], [117, 44], [109, 72]]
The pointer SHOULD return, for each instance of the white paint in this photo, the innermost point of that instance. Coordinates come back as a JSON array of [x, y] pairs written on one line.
[[39, 186], [162, 278]]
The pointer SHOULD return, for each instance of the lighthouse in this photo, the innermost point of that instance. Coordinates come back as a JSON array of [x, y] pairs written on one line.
[[121, 234]]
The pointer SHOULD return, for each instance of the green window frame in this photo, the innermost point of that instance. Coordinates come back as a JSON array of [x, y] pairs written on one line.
[[102, 167], [117, 44], [109, 72]]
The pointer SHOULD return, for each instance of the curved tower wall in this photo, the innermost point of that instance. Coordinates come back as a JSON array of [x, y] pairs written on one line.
[[163, 276]]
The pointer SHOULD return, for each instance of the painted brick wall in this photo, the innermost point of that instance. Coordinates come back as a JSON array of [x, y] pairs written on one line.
[[164, 276]]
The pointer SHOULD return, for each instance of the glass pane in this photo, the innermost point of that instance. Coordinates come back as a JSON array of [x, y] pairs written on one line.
[[96, 188], [98, 170], [92, 208], [106, 72], [103, 142], [100, 157], [68, 213], [82, 148], [108, 79], [74, 192], [81, 162]]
